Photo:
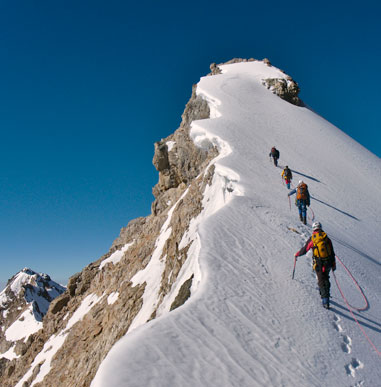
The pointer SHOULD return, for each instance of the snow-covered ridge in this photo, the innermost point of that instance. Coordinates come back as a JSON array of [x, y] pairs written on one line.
[[220, 244], [252, 325]]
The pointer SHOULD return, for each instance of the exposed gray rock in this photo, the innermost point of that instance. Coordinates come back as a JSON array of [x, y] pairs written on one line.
[[267, 62], [184, 162], [286, 89], [214, 69], [73, 283], [184, 293], [183, 171], [160, 159], [4, 364], [59, 303]]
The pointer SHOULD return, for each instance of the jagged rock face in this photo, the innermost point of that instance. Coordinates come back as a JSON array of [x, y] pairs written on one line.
[[177, 159], [102, 301]]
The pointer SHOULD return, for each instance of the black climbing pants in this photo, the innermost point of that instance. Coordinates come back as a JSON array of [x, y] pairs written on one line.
[[322, 272]]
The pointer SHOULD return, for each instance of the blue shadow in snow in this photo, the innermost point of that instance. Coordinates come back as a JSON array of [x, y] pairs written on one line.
[[347, 245], [342, 212], [349, 317], [306, 176]]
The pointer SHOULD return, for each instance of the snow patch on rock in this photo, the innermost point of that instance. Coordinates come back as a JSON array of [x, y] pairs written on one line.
[[116, 256]]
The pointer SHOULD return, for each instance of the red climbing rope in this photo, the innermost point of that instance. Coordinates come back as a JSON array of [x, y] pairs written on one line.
[[358, 287], [350, 307], [313, 215]]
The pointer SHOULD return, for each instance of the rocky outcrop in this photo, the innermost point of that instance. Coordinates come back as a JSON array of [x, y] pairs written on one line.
[[177, 159], [285, 88], [184, 293]]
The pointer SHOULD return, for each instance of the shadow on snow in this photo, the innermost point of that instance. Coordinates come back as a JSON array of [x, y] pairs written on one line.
[[358, 316], [347, 245], [308, 177], [328, 205]]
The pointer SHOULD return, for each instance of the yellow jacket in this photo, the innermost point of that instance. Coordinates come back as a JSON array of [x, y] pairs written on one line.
[[283, 172]]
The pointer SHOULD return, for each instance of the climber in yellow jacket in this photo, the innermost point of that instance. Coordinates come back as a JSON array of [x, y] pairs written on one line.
[[287, 176]]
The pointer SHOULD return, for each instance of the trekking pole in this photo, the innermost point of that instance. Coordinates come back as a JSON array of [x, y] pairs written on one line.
[[293, 272], [289, 202]]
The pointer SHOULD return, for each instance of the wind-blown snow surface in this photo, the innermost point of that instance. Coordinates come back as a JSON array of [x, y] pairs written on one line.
[[249, 323]]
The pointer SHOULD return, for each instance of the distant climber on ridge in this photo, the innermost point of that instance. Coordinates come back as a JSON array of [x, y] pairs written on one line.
[[274, 153], [287, 176], [302, 200], [323, 259]]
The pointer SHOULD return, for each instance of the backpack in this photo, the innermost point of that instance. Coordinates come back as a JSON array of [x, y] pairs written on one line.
[[322, 247], [274, 152], [287, 173], [301, 193]]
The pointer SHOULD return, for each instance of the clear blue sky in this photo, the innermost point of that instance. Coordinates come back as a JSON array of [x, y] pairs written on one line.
[[87, 87]]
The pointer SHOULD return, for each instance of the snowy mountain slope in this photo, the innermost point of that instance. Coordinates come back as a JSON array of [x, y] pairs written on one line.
[[23, 304], [249, 323]]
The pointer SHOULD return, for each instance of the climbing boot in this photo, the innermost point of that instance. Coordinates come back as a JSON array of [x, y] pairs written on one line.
[[325, 302]]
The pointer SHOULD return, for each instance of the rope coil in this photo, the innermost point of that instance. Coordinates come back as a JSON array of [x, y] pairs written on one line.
[[313, 215], [352, 307]]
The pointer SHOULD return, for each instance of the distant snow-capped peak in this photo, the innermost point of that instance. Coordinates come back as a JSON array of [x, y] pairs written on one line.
[[36, 289]]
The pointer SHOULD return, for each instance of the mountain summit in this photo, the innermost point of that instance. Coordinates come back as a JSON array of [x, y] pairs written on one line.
[[200, 293]]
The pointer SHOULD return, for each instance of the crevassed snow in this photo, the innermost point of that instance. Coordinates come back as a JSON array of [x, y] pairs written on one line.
[[115, 257], [250, 324]]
